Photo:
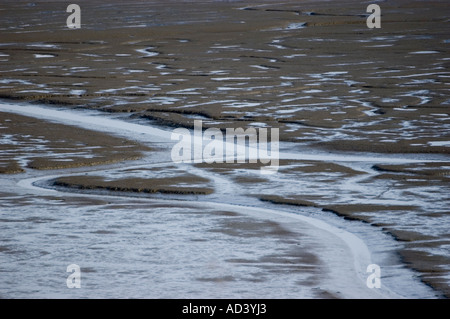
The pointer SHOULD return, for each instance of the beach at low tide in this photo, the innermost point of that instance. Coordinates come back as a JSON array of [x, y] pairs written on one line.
[[87, 177]]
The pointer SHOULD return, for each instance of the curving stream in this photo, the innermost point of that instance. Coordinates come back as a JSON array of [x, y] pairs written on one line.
[[226, 244]]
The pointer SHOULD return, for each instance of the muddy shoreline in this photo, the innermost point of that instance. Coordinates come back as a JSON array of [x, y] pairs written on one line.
[[242, 65], [311, 68]]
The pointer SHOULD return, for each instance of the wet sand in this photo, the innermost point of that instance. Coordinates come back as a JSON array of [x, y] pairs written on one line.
[[238, 65], [247, 247], [31, 143], [155, 180], [313, 69]]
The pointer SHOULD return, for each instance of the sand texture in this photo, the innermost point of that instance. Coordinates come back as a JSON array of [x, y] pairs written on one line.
[[313, 69]]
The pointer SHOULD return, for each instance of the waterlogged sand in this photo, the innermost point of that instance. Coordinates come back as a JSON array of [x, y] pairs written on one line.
[[310, 68], [406, 202], [112, 192], [313, 68], [151, 247], [27, 142]]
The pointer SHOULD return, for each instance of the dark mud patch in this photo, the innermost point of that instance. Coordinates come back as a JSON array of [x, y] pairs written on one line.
[[137, 185], [32, 143]]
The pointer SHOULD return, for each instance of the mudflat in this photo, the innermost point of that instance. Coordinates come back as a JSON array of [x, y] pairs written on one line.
[[313, 69]]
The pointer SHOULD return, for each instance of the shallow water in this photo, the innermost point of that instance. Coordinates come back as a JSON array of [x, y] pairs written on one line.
[[344, 97], [108, 234]]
